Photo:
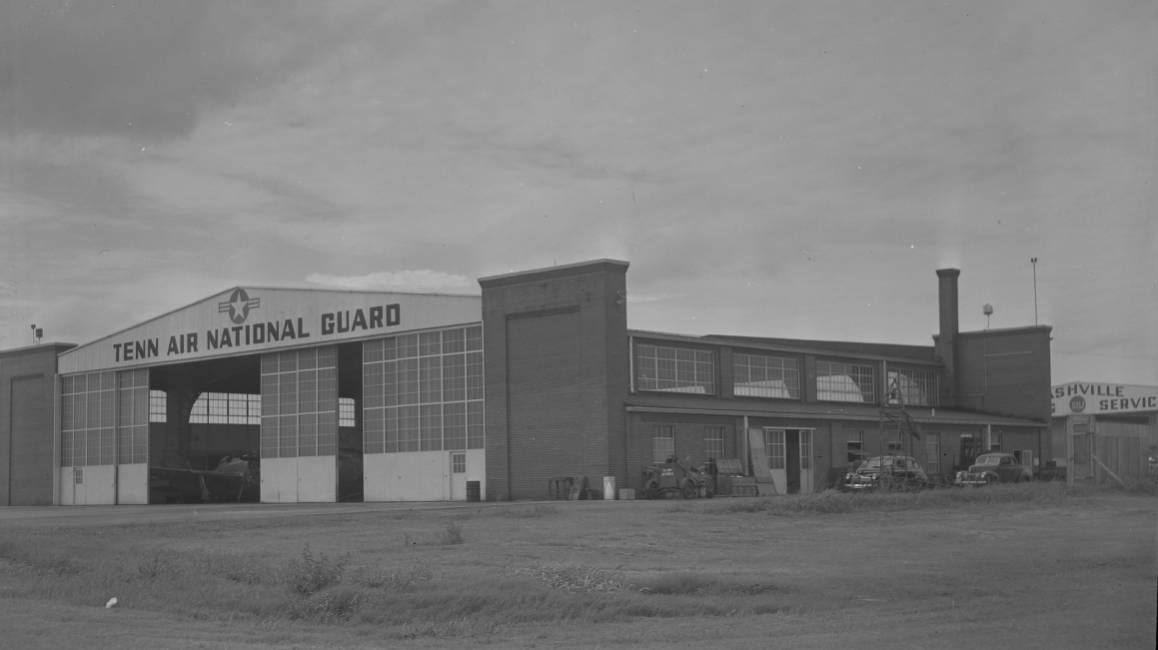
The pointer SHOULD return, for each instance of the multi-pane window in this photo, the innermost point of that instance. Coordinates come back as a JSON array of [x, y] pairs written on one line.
[[675, 369], [805, 450], [423, 391], [854, 450], [714, 442], [838, 381], [662, 443], [158, 407], [774, 447], [915, 386], [346, 415], [104, 418], [299, 403], [225, 408], [760, 375], [133, 404], [87, 419], [458, 463]]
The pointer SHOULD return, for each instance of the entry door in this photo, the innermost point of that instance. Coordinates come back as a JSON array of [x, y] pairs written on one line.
[[804, 460], [775, 458], [457, 475]]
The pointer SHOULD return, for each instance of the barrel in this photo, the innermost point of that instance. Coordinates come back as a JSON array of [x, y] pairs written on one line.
[[474, 491]]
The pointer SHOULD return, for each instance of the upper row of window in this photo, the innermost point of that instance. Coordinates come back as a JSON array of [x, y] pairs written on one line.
[[692, 370]]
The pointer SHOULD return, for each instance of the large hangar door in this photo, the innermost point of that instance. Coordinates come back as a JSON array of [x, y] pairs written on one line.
[[299, 426]]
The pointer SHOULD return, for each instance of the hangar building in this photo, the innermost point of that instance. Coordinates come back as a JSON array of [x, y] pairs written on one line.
[[323, 396]]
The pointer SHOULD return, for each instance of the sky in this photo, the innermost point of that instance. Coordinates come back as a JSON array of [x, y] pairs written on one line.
[[781, 169]]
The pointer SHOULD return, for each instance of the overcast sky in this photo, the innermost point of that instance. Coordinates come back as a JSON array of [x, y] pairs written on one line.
[[786, 169]]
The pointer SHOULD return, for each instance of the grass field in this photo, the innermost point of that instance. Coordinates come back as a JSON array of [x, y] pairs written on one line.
[[1028, 566]]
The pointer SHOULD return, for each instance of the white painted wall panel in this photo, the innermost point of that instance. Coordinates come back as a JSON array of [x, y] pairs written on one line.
[[279, 480], [96, 488], [305, 479], [418, 476], [411, 476], [65, 493], [133, 483], [317, 479], [476, 469]]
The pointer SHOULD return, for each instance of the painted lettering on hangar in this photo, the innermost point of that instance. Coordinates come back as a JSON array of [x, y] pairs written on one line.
[[240, 334]]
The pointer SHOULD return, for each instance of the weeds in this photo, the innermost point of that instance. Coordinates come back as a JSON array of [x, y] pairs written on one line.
[[570, 577], [834, 502], [452, 534], [308, 573], [405, 580]]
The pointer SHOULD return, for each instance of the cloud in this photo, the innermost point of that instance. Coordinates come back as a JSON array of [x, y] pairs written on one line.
[[417, 280], [145, 69]]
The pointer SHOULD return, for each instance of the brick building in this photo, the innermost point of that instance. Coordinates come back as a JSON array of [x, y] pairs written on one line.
[[336, 395]]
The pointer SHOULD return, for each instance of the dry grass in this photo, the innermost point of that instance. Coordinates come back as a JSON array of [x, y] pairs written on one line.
[[537, 573]]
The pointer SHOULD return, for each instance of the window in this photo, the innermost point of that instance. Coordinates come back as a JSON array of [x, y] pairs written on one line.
[[917, 386], [758, 375], [299, 403], [663, 443], [424, 392], [838, 381], [894, 447], [714, 442], [88, 426], [676, 370], [806, 449], [346, 415], [855, 448], [157, 406], [458, 463], [774, 444]]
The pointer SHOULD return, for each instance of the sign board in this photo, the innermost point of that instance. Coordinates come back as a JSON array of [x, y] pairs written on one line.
[[251, 320], [1093, 398]]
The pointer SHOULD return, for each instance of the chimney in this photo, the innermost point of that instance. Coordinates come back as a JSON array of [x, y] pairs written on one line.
[[947, 279], [946, 341]]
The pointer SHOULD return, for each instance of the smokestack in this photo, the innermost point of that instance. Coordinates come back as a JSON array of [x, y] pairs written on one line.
[[947, 279], [946, 342]]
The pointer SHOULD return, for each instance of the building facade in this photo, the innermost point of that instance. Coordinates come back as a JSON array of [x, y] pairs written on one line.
[[1105, 432], [284, 395]]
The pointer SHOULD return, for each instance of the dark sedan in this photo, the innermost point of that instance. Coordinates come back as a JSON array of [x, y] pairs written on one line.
[[994, 467]]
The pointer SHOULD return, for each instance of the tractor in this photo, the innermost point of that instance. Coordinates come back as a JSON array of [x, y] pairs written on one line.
[[670, 478]]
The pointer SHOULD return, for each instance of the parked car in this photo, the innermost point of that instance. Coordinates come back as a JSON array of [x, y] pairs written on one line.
[[994, 467], [886, 472]]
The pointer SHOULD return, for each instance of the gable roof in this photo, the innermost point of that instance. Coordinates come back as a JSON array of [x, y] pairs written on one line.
[[245, 320]]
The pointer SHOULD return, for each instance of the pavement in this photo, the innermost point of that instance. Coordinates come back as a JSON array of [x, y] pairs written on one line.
[[68, 516]]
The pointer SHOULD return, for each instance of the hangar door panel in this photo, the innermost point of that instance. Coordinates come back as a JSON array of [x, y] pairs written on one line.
[[547, 412], [299, 426]]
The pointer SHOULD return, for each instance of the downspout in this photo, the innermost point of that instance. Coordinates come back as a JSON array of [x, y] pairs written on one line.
[[56, 446], [116, 439]]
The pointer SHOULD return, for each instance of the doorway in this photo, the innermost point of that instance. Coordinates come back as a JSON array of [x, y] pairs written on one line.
[[788, 456]]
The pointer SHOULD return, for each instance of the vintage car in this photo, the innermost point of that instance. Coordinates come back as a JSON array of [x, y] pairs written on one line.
[[886, 472], [994, 467]]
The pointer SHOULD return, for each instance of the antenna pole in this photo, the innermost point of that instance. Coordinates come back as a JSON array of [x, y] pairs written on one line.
[[1033, 261]]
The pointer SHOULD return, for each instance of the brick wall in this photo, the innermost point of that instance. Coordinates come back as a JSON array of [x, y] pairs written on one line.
[[27, 426], [1005, 372], [555, 344]]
